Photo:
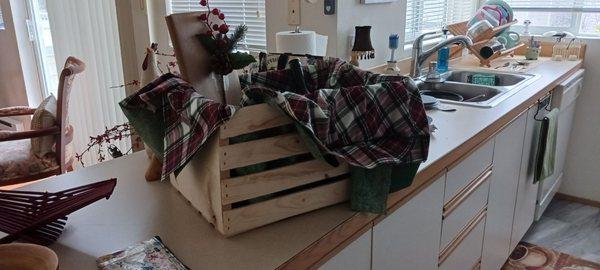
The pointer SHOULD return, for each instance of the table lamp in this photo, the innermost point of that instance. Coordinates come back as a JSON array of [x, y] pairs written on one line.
[[362, 48]]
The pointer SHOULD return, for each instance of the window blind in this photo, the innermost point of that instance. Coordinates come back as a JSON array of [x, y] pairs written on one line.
[[556, 5], [89, 30], [248, 12], [431, 15]]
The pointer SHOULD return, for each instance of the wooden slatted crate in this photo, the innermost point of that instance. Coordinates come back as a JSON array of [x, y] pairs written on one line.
[[235, 202], [232, 201]]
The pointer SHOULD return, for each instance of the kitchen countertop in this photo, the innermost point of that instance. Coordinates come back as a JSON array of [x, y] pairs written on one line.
[[139, 210]]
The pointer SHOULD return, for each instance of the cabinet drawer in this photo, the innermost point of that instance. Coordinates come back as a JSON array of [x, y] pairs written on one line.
[[465, 253], [468, 169], [404, 239], [464, 207]]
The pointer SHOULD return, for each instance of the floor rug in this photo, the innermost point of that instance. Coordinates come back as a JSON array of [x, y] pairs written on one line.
[[529, 257]]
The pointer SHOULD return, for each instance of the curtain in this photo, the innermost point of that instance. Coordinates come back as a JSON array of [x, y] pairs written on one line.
[[87, 29]]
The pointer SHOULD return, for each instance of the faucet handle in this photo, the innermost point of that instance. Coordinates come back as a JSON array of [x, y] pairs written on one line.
[[433, 66], [433, 75]]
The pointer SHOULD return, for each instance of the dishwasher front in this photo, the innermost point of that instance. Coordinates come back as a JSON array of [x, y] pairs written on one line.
[[564, 97]]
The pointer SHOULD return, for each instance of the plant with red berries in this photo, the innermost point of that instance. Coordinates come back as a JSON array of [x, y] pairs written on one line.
[[219, 44], [114, 134]]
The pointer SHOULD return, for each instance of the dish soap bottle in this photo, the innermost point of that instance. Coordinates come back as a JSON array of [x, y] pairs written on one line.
[[443, 54]]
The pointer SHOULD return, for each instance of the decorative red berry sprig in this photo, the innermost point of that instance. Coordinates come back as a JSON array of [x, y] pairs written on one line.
[[220, 45], [131, 83], [116, 133], [214, 26]]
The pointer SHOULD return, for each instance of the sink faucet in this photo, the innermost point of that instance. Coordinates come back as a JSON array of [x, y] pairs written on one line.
[[418, 56]]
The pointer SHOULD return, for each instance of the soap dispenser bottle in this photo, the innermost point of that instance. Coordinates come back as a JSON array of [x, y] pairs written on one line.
[[443, 54]]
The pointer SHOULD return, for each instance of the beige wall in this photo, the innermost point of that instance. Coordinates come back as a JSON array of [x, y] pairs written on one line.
[[385, 19], [582, 172], [312, 18], [134, 36], [12, 85]]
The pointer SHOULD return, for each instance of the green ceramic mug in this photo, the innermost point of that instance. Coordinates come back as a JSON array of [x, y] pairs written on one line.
[[512, 38]]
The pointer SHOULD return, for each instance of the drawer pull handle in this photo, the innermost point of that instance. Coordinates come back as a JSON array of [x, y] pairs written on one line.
[[461, 236], [466, 192]]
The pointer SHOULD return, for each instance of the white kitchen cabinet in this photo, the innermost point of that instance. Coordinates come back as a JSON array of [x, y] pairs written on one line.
[[357, 255], [409, 238], [467, 254], [527, 189], [468, 169], [503, 194]]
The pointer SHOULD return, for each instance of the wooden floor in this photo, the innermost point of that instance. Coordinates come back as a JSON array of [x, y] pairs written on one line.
[[570, 228]]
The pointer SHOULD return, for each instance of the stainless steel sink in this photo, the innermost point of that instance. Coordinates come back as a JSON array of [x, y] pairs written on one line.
[[472, 92], [502, 79], [458, 82]]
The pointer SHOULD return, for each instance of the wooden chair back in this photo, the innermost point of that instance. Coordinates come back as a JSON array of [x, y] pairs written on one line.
[[73, 66]]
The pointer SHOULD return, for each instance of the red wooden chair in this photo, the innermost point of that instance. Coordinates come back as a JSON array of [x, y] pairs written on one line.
[[17, 162]]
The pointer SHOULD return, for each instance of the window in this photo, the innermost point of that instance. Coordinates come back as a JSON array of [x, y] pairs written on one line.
[[248, 12], [424, 16], [580, 17], [1, 20], [44, 49]]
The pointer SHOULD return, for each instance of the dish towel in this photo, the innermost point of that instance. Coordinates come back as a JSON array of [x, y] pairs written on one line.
[[547, 146]]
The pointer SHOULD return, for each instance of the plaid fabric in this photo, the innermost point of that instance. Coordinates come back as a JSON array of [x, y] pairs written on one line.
[[365, 118], [371, 121], [189, 118]]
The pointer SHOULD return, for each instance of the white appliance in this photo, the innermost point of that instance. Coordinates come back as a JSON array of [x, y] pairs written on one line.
[[564, 97]]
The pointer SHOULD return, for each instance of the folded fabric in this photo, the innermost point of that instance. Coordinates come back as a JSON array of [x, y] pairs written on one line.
[[366, 119], [375, 123], [547, 146], [174, 119], [370, 187]]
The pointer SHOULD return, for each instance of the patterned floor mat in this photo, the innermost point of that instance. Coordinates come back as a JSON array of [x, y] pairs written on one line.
[[529, 257]]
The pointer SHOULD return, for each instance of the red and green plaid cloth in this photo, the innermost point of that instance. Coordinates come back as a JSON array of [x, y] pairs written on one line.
[[365, 118], [173, 119], [376, 123]]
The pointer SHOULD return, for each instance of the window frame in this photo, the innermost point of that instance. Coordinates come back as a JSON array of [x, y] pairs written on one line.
[[245, 47], [576, 20], [429, 41]]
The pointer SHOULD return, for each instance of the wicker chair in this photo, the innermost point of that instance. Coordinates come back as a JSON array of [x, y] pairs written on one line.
[[18, 164]]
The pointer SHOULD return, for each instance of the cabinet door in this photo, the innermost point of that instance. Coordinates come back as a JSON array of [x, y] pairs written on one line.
[[503, 194], [410, 237], [527, 190], [357, 255]]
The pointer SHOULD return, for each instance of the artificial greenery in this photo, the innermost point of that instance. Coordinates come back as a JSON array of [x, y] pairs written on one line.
[[221, 47]]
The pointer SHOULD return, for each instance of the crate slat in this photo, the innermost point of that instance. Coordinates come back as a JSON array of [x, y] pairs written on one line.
[[196, 182], [202, 179], [254, 185], [254, 118], [262, 150], [255, 215]]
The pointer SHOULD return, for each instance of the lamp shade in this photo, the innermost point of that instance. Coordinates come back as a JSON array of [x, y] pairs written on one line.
[[362, 39]]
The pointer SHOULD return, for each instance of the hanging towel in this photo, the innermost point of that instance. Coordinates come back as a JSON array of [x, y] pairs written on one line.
[[547, 146]]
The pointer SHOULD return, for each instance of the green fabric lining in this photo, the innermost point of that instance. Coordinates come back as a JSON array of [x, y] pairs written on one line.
[[150, 126], [370, 187]]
